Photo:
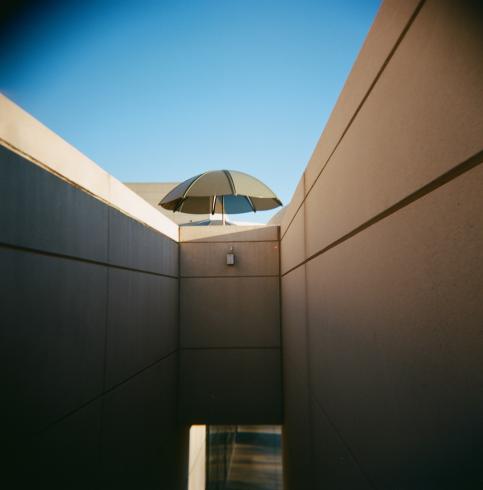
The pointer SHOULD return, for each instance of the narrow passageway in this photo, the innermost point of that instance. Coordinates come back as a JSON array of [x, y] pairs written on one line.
[[245, 458], [354, 318], [257, 460]]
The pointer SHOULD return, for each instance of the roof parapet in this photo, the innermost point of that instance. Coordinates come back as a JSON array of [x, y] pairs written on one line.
[[23, 134]]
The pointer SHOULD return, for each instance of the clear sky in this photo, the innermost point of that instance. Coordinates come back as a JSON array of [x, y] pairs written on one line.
[[158, 91]]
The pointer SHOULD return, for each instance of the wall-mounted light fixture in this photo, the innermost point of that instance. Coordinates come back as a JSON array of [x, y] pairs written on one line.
[[230, 257]]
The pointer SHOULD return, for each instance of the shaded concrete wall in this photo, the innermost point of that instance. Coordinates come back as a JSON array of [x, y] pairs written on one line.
[[89, 339], [382, 266], [230, 370]]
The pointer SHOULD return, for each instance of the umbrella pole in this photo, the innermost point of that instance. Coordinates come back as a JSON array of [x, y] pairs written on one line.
[[223, 210]]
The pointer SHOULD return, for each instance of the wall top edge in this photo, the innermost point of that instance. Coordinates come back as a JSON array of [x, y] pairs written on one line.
[[232, 233], [25, 135]]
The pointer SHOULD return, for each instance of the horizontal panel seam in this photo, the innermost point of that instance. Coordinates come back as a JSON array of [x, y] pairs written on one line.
[[439, 181], [232, 348], [81, 259], [104, 393], [229, 277], [359, 107], [228, 241]]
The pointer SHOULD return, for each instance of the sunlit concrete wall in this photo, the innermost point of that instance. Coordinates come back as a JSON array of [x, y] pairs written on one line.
[[230, 370], [197, 458], [382, 266], [89, 326]]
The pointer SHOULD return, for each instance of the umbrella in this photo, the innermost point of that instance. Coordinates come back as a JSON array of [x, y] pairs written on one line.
[[225, 191]]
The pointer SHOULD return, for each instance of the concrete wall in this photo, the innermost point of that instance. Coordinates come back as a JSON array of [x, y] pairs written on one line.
[[382, 266], [89, 339], [230, 371], [381, 258], [197, 458], [90, 362]]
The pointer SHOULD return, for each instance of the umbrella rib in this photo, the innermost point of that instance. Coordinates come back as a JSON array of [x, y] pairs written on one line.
[[192, 184], [178, 205], [230, 181], [251, 203]]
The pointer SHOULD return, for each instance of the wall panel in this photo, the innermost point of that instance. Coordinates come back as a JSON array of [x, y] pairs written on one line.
[[397, 144], [230, 367], [334, 465], [135, 246], [230, 386], [395, 333], [142, 322], [72, 269], [297, 430], [293, 251], [391, 21], [67, 455], [257, 258], [40, 211], [230, 312], [393, 262], [52, 337], [140, 436]]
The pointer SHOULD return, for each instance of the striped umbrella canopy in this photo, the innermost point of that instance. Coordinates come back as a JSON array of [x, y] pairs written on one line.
[[220, 191]]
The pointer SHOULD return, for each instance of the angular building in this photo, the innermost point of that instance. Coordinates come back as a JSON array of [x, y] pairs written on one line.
[[356, 325]]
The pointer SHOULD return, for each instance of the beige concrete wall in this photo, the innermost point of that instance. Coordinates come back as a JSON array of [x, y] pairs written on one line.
[[230, 369], [89, 329], [197, 458], [91, 321], [382, 265]]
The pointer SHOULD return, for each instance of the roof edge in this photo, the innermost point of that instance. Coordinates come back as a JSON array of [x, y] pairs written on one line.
[[28, 137]]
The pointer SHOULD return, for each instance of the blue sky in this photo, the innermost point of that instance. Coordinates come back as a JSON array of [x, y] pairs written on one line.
[[162, 90]]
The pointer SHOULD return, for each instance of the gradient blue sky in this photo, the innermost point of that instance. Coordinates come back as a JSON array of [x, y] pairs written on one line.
[[162, 90]]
